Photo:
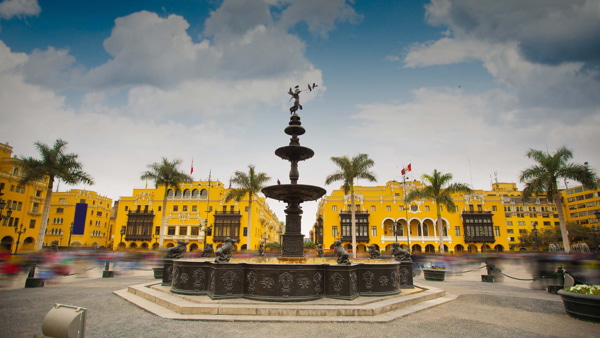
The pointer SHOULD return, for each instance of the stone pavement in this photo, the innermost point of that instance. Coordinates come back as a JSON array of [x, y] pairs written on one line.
[[510, 308]]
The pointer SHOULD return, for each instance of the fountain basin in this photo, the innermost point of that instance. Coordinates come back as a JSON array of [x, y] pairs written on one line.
[[281, 282], [296, 192]]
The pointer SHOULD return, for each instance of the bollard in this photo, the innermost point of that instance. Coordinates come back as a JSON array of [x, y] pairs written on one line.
[[64, 321], [106, 273]]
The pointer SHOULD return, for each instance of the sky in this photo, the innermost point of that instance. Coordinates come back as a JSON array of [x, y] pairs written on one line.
[[466, 87]]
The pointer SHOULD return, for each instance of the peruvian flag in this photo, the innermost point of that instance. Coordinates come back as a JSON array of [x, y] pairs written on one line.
[[407, 169], [192, 168]]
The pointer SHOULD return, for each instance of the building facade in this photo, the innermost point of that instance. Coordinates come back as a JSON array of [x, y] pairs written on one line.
[[484, 220], [20, 206], [79, 218], [197, 214]]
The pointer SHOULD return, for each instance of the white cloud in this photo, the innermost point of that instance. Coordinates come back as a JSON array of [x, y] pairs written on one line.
[[452, 132], [547, 31], [319, 16], [19, 8], [543, 89]]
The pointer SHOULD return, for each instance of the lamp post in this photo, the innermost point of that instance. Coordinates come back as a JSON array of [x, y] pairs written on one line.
[[396, 230], [156, 237], [2, 206], [535, 233], [19, 230], [70, 234], [596, 229], [122, 233]]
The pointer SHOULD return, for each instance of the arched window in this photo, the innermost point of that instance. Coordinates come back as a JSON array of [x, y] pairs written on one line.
[[186, 193], [177, 193], [195, 192], [203, 193], [170, 192]]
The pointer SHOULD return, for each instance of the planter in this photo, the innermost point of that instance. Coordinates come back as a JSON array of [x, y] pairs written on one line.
[[158, 273], [434, 274], [586, 307]]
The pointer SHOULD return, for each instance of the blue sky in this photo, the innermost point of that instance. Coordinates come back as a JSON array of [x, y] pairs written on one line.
[[461, 86]]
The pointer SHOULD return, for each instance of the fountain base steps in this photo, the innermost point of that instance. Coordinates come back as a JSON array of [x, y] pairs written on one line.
[[158, 300]]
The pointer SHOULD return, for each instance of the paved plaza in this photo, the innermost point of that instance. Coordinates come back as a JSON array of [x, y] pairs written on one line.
[[511, 308]]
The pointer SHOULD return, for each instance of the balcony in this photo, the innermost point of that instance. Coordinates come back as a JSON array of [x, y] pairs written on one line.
[[235, 239], [480, 239], [359, 239], [474, 212], [227, 212], [138, 238]]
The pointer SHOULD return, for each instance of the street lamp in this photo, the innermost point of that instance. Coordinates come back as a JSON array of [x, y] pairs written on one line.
[[70, 233], [20, 230], [8, 212], [122, 233], [156, 237], [535, 233], [396, 230], [596, 229]]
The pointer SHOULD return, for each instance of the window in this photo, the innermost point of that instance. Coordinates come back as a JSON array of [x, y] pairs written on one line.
[[522, 223], [522, 231], [497, 231], [183, 231], [35, 207], [334, 231], [195, 231], [373, 231], [388, 208], [494, 208], [426, 208], [245, 231], [457, 231], [60, 210], [171, 231], [334, 208], [373, 208], [31, 224], [185, 208], [509, 223], [157, 230], [510, 231], [175, 208], [194, 208]]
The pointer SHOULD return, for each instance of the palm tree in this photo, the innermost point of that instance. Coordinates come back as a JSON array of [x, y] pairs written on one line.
[[440, 190], [543, 178], [348, 170], [251, 184], [165, 173], [53, 165]]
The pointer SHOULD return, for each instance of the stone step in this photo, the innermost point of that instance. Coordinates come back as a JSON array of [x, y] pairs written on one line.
[[158, 300]]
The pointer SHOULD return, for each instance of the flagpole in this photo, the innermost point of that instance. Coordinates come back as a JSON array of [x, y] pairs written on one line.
[[406, 210]]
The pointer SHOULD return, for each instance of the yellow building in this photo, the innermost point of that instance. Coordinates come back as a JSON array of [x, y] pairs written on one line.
[[197, 214], [79, 218], [484, 220], [20, 206]]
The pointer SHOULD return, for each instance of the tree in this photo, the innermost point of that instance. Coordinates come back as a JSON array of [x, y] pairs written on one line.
[[348, 171], [440, 190], [542, 178], [248, 184], [167, 174], [54, 164]]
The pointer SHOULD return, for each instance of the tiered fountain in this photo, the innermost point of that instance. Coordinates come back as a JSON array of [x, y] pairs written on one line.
[[289, 277]]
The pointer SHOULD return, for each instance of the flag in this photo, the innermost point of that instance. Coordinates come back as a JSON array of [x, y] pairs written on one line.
[[406, 169], [192, 168]]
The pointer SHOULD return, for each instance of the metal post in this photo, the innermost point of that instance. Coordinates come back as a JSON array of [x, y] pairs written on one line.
[[21, 230], [70, 234], [122, 233], [396, 230], [535, 233]]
